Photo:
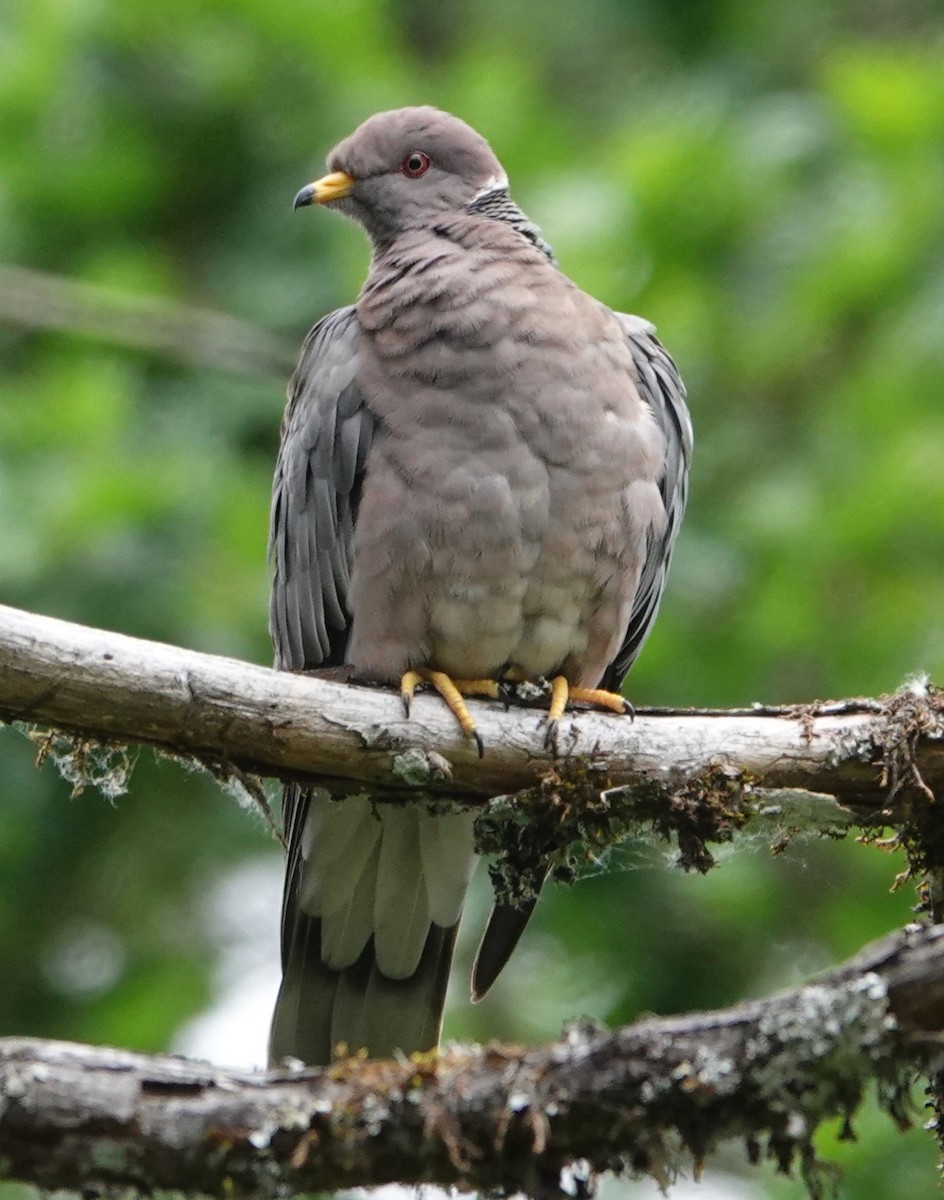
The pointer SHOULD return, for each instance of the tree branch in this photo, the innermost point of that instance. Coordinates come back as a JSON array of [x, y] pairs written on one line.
[[641, 1099], [696, 777], [38, 300], [111, 687]]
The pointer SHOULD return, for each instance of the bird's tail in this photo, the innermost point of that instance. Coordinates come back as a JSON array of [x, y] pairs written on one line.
[[373, 895]]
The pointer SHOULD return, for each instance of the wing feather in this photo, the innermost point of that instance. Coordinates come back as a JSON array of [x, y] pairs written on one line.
[[661, 387], [326, 435]]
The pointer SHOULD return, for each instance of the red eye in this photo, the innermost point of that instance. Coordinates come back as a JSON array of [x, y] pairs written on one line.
[[415, 164]]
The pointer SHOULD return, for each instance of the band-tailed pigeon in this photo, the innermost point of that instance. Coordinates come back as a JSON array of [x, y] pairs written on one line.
[[481, 475]]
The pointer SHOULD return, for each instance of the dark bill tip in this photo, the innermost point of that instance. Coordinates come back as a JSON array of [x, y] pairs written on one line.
[[305, 197]]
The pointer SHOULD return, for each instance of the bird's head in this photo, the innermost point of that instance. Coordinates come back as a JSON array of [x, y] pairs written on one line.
[[406, 169]]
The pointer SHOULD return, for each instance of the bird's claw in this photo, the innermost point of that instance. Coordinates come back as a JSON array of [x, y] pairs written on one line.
[[452, 692], [562, 694]]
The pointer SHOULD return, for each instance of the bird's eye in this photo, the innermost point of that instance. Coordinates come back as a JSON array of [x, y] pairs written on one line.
[[415, 164]]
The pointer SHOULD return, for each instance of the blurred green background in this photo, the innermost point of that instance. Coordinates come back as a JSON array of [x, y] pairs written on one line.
[[763, 180]]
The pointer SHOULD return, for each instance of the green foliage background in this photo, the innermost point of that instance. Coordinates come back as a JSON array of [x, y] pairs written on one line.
[[763, 180]]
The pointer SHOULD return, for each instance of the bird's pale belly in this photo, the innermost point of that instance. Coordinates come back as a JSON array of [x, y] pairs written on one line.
[[533, 618], [475, 636]]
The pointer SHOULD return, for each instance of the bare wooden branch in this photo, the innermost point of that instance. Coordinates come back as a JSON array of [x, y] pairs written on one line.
[[643, 1099], [107, 686], [39, 300]]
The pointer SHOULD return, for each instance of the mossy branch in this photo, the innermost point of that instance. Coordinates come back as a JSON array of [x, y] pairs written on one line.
[[695, 777], [652, 1098], [112, 689]]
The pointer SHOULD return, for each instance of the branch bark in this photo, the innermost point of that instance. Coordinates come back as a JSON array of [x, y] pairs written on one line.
[[642, 1099], [496, 1117], [115, 688]]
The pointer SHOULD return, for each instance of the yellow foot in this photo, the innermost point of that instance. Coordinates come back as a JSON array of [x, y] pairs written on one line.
[[562, 692], [452, 691], [612, 701]]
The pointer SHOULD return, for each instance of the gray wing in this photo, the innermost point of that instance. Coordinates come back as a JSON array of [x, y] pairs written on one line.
[[662, 389], [326, 435]]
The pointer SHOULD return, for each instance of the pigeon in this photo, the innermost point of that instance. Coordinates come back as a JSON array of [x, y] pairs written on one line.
[[481, 475]]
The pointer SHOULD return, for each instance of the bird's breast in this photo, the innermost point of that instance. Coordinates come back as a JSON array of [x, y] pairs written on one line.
[[494, 527]]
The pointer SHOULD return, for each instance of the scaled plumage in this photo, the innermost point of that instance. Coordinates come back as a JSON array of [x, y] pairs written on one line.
[[482, 472]]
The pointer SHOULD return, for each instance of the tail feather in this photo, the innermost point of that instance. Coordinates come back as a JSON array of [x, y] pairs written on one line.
[[319, 1009], [365, 962], [337, 841], [389, 1015], [346, 931], [506, 924], [401, 906], [301, 1023], [447, 854]]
